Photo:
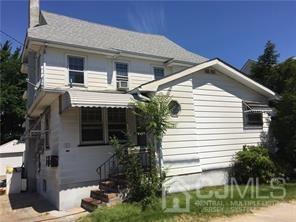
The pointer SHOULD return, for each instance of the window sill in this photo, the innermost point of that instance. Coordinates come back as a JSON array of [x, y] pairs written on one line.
[[252, 127], [77, 85], [94, 144], [100, 144]]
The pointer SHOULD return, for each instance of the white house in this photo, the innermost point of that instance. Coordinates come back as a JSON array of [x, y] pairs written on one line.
[[11, 155], [247, 67], [82, 77]]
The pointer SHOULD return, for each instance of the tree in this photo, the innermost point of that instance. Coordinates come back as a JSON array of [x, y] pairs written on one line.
[[283, 125], [283, 128], [287, 76], [155, 120], [281, 78], [13, 85], [264, 71]]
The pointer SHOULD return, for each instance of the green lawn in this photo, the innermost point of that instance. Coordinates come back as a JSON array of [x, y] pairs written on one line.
[[200, 207]]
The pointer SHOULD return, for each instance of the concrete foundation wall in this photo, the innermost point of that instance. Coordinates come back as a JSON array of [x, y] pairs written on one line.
[[196, 181]]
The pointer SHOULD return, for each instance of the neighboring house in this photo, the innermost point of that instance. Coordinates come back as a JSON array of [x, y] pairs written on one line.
[[247, 67], [11, 155], [82, 78]]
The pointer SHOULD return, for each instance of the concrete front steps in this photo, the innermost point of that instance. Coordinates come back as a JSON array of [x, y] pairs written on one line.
[[108, 194]]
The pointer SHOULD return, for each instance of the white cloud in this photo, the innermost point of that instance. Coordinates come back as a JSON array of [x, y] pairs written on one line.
[[144, 18]]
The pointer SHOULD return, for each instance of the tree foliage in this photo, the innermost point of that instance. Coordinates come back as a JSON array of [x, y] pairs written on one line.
[[264, 71], [154, 120], [155, 115], [280, 77], [13, 84], [253, 162]]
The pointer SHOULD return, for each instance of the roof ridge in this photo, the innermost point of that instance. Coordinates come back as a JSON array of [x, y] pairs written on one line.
[[99, 24]]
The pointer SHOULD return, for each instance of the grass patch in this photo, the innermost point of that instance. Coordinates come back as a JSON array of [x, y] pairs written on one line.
[[227, 201]]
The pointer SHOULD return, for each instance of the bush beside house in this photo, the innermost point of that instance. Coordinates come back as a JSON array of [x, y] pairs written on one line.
[[253, 162]]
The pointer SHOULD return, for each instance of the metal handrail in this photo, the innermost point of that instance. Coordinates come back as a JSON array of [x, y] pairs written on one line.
[[112, 166]]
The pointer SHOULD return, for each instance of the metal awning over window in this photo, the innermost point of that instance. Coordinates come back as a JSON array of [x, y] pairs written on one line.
[[77, 98], [256, 107]]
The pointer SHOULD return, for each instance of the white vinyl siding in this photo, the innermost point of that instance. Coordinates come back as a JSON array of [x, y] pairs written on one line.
[[219, 119], [99, 70], [179, 146], [209, 130]]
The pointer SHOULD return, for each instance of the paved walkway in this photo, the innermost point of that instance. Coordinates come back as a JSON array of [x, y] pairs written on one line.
[[31, 207], [281, 212]]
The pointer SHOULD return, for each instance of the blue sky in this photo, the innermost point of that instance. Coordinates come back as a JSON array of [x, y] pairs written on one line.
[[232, 31]]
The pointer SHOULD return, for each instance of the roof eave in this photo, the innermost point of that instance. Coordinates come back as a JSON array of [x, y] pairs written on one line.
[[109, 52], [220, 65]]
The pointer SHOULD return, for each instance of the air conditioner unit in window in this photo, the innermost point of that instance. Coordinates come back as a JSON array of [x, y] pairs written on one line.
[[122, 85]]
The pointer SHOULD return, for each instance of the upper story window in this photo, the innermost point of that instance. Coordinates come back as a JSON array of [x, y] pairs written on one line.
[[121, 75], [158, 72], [91, 125], [76, 69]]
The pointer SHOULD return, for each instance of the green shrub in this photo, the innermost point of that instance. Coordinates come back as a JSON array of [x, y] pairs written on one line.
[[253, 162], [143, 187]]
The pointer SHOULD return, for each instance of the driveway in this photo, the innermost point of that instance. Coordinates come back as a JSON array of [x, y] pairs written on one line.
[[281, 212], [29, 207]]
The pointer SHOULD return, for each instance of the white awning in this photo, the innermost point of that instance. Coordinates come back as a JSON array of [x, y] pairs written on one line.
[[255, 107], [77, 98]]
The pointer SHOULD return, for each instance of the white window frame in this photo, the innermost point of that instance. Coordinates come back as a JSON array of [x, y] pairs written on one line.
[[84, 84], [245, 119], [128, 71]]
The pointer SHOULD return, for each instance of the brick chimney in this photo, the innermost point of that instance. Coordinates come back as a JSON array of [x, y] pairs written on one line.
[[34, 11]]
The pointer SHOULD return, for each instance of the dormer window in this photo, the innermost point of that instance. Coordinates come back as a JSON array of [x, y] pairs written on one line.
[[76, 69], [158, 73]]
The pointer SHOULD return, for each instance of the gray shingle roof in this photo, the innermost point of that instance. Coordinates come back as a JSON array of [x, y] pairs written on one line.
[[62, 29]]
